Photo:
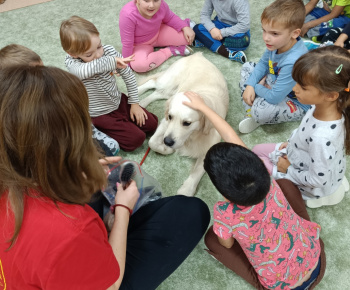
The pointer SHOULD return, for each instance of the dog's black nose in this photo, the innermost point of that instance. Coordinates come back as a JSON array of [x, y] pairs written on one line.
[[168, 141]]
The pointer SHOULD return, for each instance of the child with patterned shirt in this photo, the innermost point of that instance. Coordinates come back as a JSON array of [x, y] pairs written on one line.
[[267, 86], [111, 111], [228, 34], [314, 156], [260, 236]]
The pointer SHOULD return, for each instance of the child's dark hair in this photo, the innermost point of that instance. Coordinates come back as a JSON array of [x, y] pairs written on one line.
[[327, 69], [237, 173]]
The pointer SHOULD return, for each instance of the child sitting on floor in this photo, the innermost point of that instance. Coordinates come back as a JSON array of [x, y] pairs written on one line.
[[228, 34], [318, 20], [267, 86], [146, 24], [111, 111], [314, 156], [15, 54], [259, 234]]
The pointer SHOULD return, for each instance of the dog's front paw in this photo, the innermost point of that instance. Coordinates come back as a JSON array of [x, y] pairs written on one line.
[[161, 148], [186, 190], [157, 145], [144, 103]]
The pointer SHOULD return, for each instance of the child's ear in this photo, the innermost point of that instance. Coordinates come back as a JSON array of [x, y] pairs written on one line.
[[296, 33], [331, 97]]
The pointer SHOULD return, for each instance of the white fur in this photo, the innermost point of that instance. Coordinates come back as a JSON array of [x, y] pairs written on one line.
[[192, 73]]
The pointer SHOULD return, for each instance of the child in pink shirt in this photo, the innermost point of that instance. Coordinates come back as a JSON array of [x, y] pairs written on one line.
[[147, 24], [259, 235]]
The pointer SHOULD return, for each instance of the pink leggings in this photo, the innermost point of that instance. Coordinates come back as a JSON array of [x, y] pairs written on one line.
[[263, 151], [146, 58]]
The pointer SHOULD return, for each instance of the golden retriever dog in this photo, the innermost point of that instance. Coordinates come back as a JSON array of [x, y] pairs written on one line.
[[184, 130]]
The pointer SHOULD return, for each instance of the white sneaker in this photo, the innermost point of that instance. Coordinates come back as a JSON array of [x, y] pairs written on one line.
[[332, 199], [345, 183], [248, 125]]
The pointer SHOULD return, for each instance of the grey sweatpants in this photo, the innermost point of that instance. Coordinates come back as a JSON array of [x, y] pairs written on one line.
[[262, 111]]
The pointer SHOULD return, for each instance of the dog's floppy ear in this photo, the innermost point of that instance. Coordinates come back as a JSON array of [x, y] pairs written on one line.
[[207, 125], [167, 109]]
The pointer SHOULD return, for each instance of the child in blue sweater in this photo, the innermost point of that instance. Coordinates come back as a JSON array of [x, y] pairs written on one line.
[[267, 86]]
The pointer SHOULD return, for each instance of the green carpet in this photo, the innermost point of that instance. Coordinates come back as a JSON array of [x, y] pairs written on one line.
[[37, 27]]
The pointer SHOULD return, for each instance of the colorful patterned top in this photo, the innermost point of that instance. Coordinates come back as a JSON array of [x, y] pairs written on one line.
[[281, 246]]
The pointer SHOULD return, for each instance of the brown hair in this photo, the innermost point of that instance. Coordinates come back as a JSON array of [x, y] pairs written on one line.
[[289, 13], [15, 54], [75, 34], [45, 138], [327, 69]]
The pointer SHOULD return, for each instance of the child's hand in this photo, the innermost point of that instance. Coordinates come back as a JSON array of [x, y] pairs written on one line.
[[128, 196], [283, 164], [123, 62], [216, 34], [283, 145], [138, 115], [249, 95], [108, 160], [188, 34], [196, 101], [305, 29]]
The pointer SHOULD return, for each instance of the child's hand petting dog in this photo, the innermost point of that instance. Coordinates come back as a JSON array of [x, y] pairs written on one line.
[[196, 101]]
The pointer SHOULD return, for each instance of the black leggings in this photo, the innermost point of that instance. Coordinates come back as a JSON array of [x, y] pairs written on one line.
[[160, 237], [333, 34]]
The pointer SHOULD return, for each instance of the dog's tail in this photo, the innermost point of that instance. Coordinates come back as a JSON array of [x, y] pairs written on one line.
[[143, 80]]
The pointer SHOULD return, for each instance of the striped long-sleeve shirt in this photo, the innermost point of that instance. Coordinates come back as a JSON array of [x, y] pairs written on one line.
[[100, 83]]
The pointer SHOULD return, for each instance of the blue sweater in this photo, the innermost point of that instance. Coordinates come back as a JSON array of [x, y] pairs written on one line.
[[278, 67]]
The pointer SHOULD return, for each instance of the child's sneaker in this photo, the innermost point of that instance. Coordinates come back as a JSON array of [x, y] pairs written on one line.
[[248, 124], [310, 45], [331, 199], [181, 50], [237, 56], [197, 43]]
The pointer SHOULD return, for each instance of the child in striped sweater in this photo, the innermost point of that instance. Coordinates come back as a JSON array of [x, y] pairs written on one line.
[[111, 111]]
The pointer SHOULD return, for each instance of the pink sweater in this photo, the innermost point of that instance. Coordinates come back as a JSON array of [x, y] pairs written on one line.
[[135, 29]]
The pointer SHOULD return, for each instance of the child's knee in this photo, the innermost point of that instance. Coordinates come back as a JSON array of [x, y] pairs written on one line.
[[134, 141], [140, 66]]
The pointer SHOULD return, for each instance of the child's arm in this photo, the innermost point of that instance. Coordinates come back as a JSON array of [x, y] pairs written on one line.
[[336, 11], [205, 17], [310, 6], [343, 36], [241, 10], [281, 88], [127, 27], [85, 70], [226, 243], [172, 19], [224, 129]]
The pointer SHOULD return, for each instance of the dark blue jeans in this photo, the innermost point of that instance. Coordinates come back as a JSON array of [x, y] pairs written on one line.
[[235, 42]]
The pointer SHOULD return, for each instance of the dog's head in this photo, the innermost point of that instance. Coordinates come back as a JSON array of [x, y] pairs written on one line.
[[182, 122]]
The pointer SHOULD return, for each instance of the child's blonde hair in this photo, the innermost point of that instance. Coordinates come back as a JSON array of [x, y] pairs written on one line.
[[328, 70], [289, 13], [75, 34], [15, 54]]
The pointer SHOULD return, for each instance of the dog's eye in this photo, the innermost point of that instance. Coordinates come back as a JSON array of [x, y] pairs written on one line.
[[186, 124], [170, 117]]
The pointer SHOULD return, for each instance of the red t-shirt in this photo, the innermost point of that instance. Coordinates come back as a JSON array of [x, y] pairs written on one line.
[[57, 248]]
